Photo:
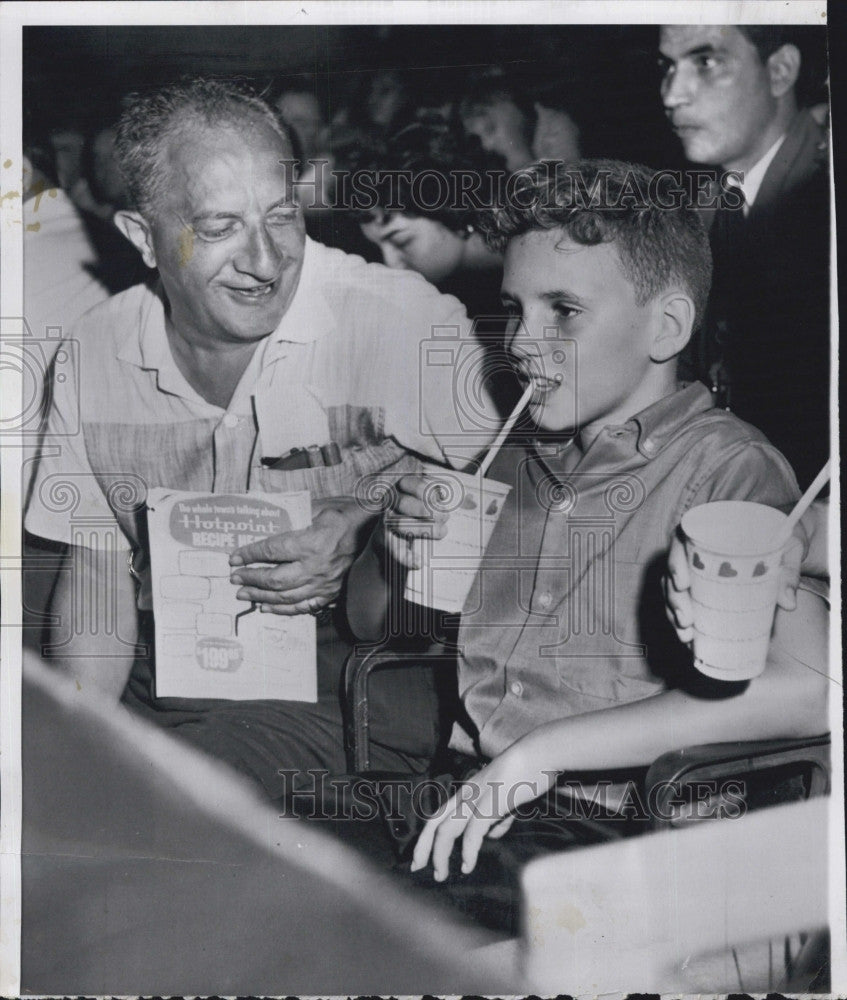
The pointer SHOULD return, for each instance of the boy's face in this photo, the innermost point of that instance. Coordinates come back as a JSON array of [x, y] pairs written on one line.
[[578, 332]]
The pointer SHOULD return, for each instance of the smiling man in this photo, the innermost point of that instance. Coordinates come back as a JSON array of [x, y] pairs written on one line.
[[254, 345], [734, 95]]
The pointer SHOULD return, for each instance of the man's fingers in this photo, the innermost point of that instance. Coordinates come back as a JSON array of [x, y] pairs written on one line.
[[284, 547], [285, 598], [277, 578]]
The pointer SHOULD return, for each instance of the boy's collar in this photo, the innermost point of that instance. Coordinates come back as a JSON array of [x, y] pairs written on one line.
[[660, 422], [654, 426]]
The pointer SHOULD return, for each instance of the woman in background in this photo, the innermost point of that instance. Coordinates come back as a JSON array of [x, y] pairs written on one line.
[[421, 225]]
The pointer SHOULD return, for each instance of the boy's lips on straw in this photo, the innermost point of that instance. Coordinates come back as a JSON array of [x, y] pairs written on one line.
[[542, 384]]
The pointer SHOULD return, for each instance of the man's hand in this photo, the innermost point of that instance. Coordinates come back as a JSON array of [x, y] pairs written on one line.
[[303, 570], [482, 807], [677, 582], [414, 514]]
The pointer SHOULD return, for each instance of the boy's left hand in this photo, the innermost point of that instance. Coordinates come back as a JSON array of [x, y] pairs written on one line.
[[412, 516], [482, 806]]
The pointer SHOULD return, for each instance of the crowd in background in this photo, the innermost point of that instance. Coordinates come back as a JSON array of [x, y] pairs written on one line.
[[420, 100]]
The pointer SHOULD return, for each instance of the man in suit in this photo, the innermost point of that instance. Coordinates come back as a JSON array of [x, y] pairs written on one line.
[[736, 96]]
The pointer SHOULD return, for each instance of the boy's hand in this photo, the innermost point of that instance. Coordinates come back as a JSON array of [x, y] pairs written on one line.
[[481, 807], [414, 514], [677, 582]]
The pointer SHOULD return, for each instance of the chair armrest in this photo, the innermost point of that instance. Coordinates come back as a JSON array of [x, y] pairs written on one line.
[[358, 667], [712, 761]]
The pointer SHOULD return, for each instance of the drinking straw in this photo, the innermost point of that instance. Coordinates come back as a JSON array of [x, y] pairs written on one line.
[[804, 502], [504, 430]]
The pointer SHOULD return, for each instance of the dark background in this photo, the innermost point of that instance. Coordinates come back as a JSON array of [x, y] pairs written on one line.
[[75, 76]]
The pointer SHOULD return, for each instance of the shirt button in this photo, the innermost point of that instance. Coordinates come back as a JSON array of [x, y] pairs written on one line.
[[516, 688], [545, 599], [230, 420]]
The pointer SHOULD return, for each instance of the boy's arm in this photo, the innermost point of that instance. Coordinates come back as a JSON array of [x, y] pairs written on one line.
[[635, 734], [95, 620]]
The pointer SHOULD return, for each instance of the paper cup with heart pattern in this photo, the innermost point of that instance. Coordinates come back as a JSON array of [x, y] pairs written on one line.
[[447, 566], [734, 550]]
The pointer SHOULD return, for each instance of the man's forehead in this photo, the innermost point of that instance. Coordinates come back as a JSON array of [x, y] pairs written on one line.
[[200, 155], [195, 136], [678, 40]]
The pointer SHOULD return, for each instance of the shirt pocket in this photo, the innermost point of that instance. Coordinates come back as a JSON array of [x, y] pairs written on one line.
[[364, 472]]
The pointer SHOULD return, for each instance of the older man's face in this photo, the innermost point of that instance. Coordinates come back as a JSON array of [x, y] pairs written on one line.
[[717, 95], [227, 236]]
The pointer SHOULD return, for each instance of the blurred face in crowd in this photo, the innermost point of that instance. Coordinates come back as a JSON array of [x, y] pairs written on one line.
[[501, 128], [416, 243], [107, 174], [67, 150], [302, 112], [556, 136], [225, 233], [718, 95], [385, 98], [577, 331]]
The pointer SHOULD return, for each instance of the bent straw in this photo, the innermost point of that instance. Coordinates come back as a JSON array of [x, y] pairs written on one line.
[[805, 501], [504, 430]]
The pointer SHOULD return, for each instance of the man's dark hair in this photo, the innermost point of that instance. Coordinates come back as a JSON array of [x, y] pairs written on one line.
[[659, 237], [150, 119], [485, 87], [811, 43], [425, 159]]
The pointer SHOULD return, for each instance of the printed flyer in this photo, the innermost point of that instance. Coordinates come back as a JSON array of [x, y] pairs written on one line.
[[209, 644]]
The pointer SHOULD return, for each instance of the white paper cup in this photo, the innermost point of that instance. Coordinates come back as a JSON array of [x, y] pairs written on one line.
[[734, 550], [448, 565]]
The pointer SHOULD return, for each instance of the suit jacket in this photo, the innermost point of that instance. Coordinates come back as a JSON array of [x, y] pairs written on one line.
[[766, 332]]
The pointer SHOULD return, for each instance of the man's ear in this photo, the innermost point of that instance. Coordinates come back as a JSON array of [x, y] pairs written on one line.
[[783, 69], [676, 321], [135, 227]]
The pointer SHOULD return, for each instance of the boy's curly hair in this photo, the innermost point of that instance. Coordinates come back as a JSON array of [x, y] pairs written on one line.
[[659, 237]]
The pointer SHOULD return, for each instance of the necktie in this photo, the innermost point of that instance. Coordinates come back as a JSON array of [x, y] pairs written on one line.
[[727, 241], [728, 227]]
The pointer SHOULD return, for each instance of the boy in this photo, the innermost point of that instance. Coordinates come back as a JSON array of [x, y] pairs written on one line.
[[566, 662]]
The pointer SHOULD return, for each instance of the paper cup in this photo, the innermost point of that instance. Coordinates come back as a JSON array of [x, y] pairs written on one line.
[[734, 550], [448, 565]]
